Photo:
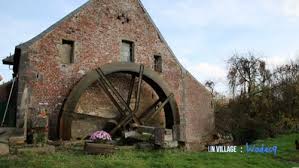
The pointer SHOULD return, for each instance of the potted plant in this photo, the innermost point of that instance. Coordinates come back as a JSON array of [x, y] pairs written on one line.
[[100, 142]]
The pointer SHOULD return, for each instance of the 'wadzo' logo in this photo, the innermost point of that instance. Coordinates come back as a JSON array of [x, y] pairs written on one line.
[[261, 149]]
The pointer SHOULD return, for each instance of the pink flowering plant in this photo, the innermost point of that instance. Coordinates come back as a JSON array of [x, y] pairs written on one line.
[[100, 136]]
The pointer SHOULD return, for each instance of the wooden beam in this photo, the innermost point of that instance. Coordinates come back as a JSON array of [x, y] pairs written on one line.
[[160, 108]]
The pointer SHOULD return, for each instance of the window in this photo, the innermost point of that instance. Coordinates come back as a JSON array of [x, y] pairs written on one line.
[[158, 63], [67, 51], [127, 51]]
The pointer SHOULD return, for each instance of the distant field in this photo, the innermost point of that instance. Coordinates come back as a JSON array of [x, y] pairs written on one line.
[[287, 157]]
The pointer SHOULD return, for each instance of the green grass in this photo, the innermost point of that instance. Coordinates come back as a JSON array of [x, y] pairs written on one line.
[[287, 157]]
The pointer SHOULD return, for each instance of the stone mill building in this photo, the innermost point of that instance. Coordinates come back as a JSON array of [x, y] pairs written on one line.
[[106, 62]]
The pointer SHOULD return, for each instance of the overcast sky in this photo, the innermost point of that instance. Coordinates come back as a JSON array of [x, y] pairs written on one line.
[[202, 33]]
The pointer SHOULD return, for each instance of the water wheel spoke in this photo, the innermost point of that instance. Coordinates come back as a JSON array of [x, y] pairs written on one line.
[[129, 117], [137, 103], [148, 111], [115, 103], [122, 123], [107, 83], [111, 87], [132, 83], [132, 115], [152, 115]]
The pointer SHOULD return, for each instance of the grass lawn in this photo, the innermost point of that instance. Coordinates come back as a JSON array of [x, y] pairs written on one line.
[[287, 157]]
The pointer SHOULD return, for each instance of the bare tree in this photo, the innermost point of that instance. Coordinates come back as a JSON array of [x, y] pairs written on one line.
[[211, 86], [246, 73]]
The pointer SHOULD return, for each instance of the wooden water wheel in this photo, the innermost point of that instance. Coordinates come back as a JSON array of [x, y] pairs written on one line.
[[130, 111]]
